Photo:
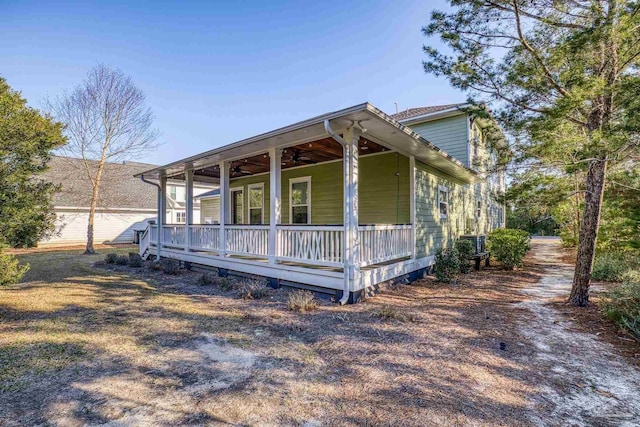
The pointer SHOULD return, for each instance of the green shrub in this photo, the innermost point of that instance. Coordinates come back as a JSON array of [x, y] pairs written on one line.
[[10, 270], [447, 265], [252, 289], [135, 260], [122, 260], [224, 284], [509, 246], [207, 279], [302, 301], [169, 265], [614, 266], [465, 252], [622, 305], [111, 258]]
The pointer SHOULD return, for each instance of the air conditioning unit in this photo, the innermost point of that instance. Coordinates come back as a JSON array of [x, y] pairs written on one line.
[[479, 242]]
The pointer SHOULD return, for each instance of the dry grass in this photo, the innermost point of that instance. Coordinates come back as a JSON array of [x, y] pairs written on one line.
[[82, 345]]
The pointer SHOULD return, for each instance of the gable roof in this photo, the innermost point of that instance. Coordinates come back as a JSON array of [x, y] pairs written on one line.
[[410, 113], [119, 188]]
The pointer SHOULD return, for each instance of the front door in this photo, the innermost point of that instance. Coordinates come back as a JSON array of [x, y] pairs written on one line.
[[237, 208]]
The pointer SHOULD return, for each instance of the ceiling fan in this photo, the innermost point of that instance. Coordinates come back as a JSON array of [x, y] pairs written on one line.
[[237, 170], [296, 157]]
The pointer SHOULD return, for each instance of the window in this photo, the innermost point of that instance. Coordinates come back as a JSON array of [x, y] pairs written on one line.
[[443, 201], [181, 217], [173, 192], [237, 206], [300, 200], [256, 203], [478, 208]]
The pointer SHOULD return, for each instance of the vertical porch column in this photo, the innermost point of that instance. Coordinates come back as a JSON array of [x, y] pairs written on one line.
[[224, 206], [352, 240], [189, 209], [162, 213], [275, 200], [412, 204]]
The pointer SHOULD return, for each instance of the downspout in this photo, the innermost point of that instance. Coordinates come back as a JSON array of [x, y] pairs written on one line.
[[338, 138], [158, 208]]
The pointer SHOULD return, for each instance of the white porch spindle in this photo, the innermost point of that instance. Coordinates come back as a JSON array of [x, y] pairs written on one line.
[[275, 200], [352, 245], [189, 209], [412, 204], [224, 205]]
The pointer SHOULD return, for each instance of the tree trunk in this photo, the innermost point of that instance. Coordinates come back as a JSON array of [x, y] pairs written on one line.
[[92, 212], [588, 232]]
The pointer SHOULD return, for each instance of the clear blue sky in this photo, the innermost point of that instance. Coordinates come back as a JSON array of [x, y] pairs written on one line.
[[217, 72]]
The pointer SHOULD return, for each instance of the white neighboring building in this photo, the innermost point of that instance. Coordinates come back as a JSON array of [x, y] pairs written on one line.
[[126, 203]]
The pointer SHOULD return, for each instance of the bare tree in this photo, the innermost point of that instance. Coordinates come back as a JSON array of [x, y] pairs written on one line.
[[107, 120]]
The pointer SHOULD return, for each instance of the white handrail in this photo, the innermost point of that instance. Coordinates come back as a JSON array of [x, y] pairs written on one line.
[[205, 237], [383, 242], [173, 235], [247, 239], [313, 244]]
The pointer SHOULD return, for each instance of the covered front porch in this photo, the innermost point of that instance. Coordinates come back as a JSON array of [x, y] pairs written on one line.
[[328, 203]]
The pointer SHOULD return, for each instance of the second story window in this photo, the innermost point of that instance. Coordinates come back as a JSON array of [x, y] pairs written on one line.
[[173, 192], [478, 208]]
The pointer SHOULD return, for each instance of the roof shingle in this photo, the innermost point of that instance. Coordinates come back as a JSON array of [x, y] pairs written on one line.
[[419, 111], [119, 189]]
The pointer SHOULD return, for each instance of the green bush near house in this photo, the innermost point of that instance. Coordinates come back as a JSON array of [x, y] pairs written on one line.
[[622, 305], [447, 265], [111, 258], [10, 270], [509, 246], [170, 266], [465, 252], [135, 260], [614, 266]]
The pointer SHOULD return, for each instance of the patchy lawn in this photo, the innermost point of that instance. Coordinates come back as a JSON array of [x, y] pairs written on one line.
[[92, 345]]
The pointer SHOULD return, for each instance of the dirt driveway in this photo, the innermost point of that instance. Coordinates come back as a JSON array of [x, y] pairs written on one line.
[[587, 382], [81, 345]]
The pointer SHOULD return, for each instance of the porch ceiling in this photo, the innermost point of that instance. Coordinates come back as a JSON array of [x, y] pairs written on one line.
[[307, 143]]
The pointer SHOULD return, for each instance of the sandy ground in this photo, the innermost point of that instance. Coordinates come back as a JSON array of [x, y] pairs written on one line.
[[588, 383], [82, 345]]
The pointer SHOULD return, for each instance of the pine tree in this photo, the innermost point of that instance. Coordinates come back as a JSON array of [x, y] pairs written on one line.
[[562, 78], [26, 141]]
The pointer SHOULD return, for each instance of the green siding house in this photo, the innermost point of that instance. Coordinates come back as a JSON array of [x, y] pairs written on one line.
[[338, 203]]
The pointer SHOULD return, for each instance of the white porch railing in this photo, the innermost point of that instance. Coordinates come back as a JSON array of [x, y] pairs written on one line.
[[247, 239], [153, 234], [173, 235], [144, 242], [205, 237], [381, 243], [319, 245]]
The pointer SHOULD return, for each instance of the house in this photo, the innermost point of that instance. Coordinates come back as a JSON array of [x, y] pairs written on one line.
[[125, 203], [337, 203]]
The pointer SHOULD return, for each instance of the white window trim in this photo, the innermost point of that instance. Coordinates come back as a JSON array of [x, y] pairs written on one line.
[[231, 190], [292, 181], [446, 202], [259, 185]]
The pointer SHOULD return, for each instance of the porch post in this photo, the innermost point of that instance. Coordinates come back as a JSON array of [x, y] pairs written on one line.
[[224, 206], [162, 212], [189, 209], [275, 202], [352, 243], [412, 204]]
